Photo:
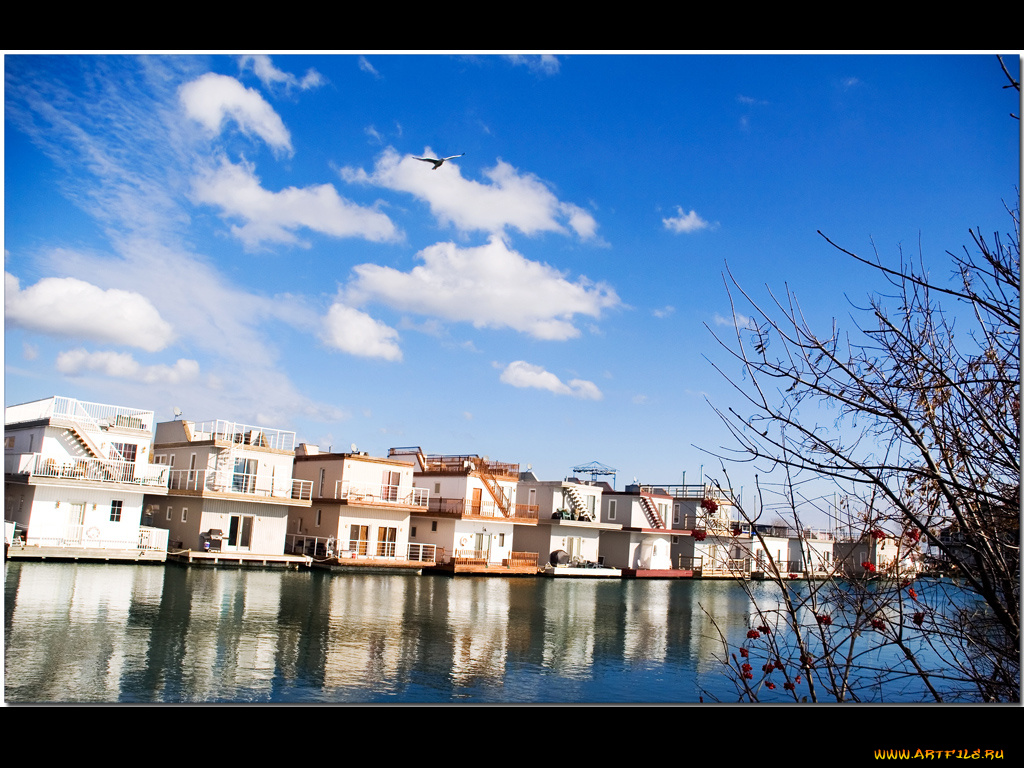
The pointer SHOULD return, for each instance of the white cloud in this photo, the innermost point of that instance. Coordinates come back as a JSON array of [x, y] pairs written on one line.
[[511, 199], [366, 66], [65, 306], [685, 222], [523, 374], [490, 286], [736, 321], [544, 64], [121, 365], [213, 98], [271, 76], [666, 311], [273, 216], [355, 332]]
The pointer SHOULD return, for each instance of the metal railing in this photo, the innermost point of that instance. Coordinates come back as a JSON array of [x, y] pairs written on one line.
[[237, 482], [380, 493], [98, 415], [243, 434], [463, 508], [93, 470], [89, 537], [328, 546]]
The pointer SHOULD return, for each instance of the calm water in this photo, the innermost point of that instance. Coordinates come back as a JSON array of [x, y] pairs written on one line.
[[126, 633]]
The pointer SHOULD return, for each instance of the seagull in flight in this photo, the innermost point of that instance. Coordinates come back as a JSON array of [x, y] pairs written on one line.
[[437, 163]]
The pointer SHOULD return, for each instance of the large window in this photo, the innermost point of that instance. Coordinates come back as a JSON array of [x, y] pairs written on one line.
[[115, 510]]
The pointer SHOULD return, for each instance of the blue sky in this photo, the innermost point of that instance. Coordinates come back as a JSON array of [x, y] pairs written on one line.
[[250, 237]]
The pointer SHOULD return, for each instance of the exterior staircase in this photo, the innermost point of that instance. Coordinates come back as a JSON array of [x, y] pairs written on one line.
[[577, 502], [651, 511], [499, 494]]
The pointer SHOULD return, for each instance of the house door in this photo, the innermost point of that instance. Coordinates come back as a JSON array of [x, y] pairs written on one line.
[[482, 545], [477, 497], [387, 539], [75, 527], [359, 539], [240, 531], [389, 485]]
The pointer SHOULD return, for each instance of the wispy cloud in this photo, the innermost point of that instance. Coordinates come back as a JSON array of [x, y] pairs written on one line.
[[685, 223], [525, 375], [543, 64], [272, 77], [121, 365], [366, 66], [490, 286], [510, 199]]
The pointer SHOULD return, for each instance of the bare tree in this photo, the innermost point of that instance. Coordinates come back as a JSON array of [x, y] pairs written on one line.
[[922, 437]]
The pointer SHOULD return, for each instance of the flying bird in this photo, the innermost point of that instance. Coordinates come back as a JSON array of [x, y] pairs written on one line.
[[437, 163]]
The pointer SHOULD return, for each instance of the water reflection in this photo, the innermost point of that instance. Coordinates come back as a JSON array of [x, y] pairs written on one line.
[[92, 632]]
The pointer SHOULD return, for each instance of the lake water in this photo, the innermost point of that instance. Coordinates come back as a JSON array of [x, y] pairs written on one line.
[[142, 633]]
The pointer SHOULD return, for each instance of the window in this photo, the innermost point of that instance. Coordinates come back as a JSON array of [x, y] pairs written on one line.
[[501, 539], [168, 512], [433, 525], [437, 489], [9, 441], [323, 476], [319, 515], [611, 509], [244, 479], [675, 514], [115, 510], [184, 514], [412, 532]]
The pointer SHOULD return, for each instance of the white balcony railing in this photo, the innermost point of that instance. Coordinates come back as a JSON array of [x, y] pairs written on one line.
[[328, 546], [88, 537], [237, 482], [244, 434], [93, 470], [379, 493]]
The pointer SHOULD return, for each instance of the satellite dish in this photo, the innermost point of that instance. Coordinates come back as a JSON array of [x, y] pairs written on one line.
[[353, 447], [177, 412]]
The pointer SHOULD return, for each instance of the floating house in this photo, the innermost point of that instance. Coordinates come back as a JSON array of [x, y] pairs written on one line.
[[567, 534], [229, 493], [642, 547], [75, 478], [361, 512], [471, 514]]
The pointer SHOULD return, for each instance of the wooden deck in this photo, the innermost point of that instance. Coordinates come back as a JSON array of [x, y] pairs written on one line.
[[372, 565], [242, 559], [664, 573], [474, 567], [95, 554]]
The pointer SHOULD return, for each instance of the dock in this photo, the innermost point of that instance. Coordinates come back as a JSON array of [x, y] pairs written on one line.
[[95, 554], [241, 559]]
